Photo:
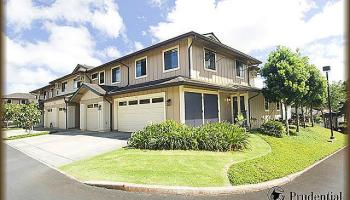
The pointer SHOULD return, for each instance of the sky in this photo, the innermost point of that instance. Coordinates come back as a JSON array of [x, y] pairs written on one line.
[[46, 39]]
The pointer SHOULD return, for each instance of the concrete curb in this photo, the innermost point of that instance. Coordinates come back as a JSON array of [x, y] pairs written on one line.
[[184, 190]]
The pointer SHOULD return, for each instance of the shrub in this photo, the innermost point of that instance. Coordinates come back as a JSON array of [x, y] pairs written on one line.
[[273, 128], [170, 135], [293, 127]]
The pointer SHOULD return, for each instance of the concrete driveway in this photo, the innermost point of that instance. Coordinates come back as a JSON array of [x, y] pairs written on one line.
[[57, 149]]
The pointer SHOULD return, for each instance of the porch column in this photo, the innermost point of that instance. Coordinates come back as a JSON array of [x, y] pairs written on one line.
[[182, 104], [82, 117]]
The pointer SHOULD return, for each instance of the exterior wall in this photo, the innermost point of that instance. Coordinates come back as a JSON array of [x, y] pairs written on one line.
[[154, 66], [225, 68], [172, 109], [258, 113]]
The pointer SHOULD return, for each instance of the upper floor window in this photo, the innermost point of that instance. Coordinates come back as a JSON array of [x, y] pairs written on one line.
[[94, 76], [9, 101], [101, 79], [171, 59], [64, 86], [76, 83], [209, 60], [45, 95], [239, 69], [116, 75], [278, 106], [266, 104], [141, 67], [23, 101], [51, 93]]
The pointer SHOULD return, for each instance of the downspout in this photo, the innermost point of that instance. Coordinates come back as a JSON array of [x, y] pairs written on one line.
[[110, 112], [88, 77], [128, 72], [65, 101], [250, 124], [189, 56]]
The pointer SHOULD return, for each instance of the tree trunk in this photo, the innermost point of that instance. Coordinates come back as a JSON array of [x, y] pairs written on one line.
[[324, 119], [311, 117], [286, 118], [298, 121], [303, 113]]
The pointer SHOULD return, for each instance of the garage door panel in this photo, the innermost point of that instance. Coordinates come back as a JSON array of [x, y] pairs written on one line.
[[135, 117], [92, 119]]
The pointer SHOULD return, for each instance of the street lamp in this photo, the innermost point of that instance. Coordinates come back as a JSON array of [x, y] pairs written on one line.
[[327, 69]]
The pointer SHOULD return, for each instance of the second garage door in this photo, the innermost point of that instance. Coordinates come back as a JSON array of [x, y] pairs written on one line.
[[134, 113], [61, 118], [92, 117]]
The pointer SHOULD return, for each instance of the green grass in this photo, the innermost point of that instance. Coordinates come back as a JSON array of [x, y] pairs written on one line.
[[12, 129], [15, 137], [290, 154], [185, 168]]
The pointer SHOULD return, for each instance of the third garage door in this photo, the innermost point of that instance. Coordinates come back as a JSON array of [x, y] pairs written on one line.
[[134, 113]]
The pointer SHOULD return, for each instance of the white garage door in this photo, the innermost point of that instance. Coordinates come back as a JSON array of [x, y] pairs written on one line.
[[51, 118], [61, 118], [92, 117], [134, 113]]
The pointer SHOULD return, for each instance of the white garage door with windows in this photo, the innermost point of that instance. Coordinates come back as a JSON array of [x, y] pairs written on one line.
[[134, 113], [61, 118], [92, 117]]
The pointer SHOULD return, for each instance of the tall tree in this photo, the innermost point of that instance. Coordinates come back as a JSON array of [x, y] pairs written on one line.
[[285, 77], [316, 95]]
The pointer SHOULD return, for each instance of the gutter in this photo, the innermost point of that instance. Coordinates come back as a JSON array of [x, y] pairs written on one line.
[[110, 112], [190, 55], [250, 124], [65, 101], [128, 72]]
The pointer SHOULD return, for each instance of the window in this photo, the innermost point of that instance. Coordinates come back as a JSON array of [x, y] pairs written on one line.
[[158, 100], [141, 67], [49, 110], [45, 95], [278, 106], [239, 69], [64, 86], [23, 101], [171, 59], [101, 79], [116, 75], [51, 93], [266, 104], [61, 109], [134, 102], [77, 83], [90, 106], [145, 101], [122, 103], [94, 76], [9, 101], [209, 60]]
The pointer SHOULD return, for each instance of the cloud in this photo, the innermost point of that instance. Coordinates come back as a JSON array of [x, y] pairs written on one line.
[[157, 3], [248, 27], [138, 45], [109, 52], [36, 63], [102, 15]]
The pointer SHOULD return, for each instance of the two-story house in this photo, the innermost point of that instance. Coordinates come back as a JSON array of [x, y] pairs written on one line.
[[192, 78], [19, 98]]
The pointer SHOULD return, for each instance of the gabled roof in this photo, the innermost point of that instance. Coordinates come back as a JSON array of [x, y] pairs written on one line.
[[19, 96], [99, 90], [212, 36]]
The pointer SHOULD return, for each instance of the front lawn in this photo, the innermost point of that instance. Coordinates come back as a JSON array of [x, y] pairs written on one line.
[[290, 154], [177, 167]]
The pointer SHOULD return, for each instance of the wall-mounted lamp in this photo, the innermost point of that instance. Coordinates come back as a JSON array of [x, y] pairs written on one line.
[[228, 99], [168, 102], [99, 107]]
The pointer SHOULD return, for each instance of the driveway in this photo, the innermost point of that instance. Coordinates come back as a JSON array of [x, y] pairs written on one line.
[[57, 149]]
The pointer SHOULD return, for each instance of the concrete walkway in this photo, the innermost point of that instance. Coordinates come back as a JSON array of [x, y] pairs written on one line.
[[57, 149]]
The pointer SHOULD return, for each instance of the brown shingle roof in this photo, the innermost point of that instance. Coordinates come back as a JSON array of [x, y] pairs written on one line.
[[19, 96]]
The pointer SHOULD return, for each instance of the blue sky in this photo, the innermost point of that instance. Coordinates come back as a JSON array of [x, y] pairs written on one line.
[[46, 39]]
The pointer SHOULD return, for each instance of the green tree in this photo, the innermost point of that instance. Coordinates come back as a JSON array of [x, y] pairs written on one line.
[[338, 95], [10, 112], [285, 77], [30, 116], [316, 95]]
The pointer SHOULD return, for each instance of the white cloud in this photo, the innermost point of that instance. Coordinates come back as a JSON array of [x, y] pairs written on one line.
[[109, 52], [138, 45], [157, 3], [34, 64], [102, 15]]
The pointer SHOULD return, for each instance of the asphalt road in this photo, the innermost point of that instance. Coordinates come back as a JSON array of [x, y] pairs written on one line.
[[29, 179]]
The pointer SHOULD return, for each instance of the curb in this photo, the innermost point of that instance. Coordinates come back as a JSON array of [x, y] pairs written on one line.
[[185, 190]]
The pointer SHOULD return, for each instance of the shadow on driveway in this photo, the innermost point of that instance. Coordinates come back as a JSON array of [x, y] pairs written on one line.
[[110, 135]]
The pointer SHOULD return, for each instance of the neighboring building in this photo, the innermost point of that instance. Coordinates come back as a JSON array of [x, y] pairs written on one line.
[[19, 98], [191, 78]]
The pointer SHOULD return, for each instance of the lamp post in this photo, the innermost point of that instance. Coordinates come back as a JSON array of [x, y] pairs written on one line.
[[327, 69]]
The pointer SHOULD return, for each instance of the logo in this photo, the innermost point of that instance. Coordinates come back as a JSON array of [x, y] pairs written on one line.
[[275, 193]]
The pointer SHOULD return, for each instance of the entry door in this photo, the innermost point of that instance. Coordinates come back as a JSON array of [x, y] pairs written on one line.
[[235, 108], [193, 109], [211, 111]]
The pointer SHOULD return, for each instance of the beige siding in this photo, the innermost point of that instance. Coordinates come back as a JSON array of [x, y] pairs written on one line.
[[154, 65], [225, 107], [225, 68], [172, 93], [258, 113]]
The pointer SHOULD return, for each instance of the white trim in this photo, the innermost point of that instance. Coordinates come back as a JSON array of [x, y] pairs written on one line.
[[189, 41], [268, 105], [104, 77], [178, 59], [120, 73], [145, 57], [203, 113], [93, 74], [182, 104], [206, 69]]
